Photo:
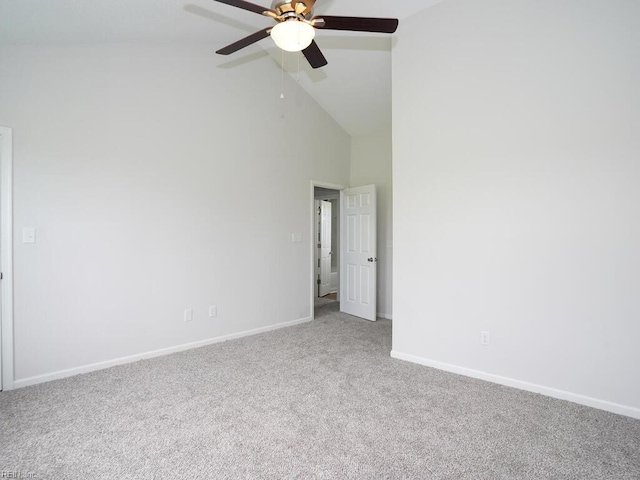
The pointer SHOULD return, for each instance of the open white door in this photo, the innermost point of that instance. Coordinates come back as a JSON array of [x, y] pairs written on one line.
[[358, 272], [325, 248]]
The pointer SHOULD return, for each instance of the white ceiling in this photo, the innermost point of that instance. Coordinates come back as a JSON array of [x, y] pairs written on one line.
[[355, 88]]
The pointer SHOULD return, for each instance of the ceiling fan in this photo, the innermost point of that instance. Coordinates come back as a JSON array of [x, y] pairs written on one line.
[[295, 30]]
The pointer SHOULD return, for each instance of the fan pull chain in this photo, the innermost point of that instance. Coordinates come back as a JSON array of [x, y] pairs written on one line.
[[282, 67]]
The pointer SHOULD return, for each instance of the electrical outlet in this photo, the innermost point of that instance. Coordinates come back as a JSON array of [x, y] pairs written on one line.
[[484, 338], [188, 315], [213, 311], [28, 235]]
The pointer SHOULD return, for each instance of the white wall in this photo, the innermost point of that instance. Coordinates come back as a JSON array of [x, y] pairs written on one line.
[[157, 181], [371, 164], [516, 136]]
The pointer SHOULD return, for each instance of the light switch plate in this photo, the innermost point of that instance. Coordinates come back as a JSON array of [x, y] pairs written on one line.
[[28, 235], [296, 237]]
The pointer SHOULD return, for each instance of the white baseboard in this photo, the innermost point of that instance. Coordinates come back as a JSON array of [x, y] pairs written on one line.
[[47, 377], [384, 315], [522, 385]]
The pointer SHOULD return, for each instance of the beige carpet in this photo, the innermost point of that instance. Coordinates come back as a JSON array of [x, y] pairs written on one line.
[[319, 400]]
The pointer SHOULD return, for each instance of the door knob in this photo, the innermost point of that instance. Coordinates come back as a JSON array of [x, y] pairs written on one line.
[[371, 259]]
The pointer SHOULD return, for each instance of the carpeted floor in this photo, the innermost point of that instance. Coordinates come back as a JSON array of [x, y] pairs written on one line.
[[319, 400], [322, 301]]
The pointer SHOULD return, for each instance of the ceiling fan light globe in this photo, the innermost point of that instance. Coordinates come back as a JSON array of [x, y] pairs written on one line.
[[293, 35]]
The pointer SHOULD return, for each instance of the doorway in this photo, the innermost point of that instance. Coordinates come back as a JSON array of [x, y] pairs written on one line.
[[355, 249], [326, 247]]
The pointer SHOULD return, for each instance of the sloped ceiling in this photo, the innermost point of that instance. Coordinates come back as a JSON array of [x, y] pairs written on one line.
[[355, 88]]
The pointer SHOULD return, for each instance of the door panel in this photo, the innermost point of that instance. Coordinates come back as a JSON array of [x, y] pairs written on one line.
[[352, 234], [365, 277], [352, 282], [365, 235], [358, 262]]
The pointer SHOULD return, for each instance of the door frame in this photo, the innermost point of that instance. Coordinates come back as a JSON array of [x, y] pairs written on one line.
[[320, 231], [6, 258], [312, 243]]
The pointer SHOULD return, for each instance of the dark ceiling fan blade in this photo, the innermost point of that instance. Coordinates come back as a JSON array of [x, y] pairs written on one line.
[[245, 42], [356, 24], [252, 7], [314, 56]]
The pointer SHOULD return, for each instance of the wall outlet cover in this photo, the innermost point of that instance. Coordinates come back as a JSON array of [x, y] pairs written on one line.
[[28, 235]]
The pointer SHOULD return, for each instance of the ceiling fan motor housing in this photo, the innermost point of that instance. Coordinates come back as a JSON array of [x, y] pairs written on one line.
[[286, 10]]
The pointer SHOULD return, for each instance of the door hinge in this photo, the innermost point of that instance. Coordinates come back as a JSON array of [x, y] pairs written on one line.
[[1, 275]]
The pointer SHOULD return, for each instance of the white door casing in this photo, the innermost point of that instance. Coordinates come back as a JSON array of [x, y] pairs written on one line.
[[6, 262], [313, 245], [325, 248], [358, 264]]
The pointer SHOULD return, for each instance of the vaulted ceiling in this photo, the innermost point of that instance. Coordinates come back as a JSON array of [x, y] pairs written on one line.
[[355, 87]]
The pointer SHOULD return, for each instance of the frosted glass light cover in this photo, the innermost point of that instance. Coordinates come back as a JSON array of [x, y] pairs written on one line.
[[293, 35]]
